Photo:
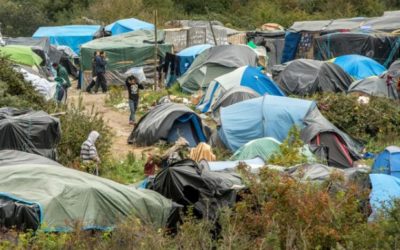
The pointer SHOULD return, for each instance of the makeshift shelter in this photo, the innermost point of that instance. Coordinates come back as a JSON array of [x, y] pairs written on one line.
[[215, 62], [393, 74], [306, 77], [374, 86], [168, 122], [125, 51], [263, 148], [267, 116], [388, 162], [46, 88], [41, 46], [30, 131], [328, 142], [36, 192], [72, 36], [231, 166], [21, 55], [389, 22], [128, 25], [187, 184], [245, 76], [382, 47], [385, 189], [359, 67]]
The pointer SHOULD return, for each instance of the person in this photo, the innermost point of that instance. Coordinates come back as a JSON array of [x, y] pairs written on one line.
[[88, 149], [133, 86], [101, 81], [63, 75], [93, 82]]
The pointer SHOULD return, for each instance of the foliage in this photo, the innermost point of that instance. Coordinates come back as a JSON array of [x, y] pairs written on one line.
[[290, 151], [115, 95], [376, 123], [127, 171], [76, 125]]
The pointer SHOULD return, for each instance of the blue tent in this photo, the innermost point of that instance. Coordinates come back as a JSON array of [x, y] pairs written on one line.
[[388, 162], [267, 116], [385, 188], [72, 36], [359, 67], [245, 76], [127, 25], [187, 56]]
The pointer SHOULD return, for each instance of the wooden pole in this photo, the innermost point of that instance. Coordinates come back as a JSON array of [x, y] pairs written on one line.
[[155, 51], [211, 27]]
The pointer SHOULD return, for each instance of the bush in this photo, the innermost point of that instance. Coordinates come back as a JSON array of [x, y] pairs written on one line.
[[127, 171]]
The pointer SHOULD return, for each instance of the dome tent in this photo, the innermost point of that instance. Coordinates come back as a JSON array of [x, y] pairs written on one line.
[[168, 122], [374, 86], [388, 162], [306, 77], [359, 67], [127, 25]]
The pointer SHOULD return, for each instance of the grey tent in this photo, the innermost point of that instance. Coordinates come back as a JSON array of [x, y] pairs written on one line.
[[37, 192], [30, 131], [187, 184], [233, 96], [393, 73], [40, 46], [168, 121], [306, 76], [374, 86], [214, 62], [329, 142]]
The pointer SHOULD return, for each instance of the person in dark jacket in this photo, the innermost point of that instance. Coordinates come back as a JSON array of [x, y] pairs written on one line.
[[133, 86], [101, 81], [62, 74], [93, 82]]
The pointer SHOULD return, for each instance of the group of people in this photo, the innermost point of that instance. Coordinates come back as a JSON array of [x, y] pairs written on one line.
[[99, 63]]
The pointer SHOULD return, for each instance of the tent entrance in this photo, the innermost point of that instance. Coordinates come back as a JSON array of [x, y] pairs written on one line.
[[188, 127], [336, 151]]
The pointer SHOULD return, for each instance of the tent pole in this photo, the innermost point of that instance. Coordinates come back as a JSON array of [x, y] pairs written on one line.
[[155, 51], [211, 27]]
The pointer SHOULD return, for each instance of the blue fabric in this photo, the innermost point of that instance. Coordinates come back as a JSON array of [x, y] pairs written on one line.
[[184, 63], [194, 51], [387, 163], [208, 104], [127, 25], [183, 128], [385, 188], [359, 67], [292, 40], [267, 116], [253, 78], [72, 36]]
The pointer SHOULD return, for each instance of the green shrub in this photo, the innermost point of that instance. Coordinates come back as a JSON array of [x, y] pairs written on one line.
[[126, 171], [115, 95]]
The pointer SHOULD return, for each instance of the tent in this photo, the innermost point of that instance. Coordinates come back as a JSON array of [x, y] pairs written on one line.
[[328, 142], [21, 55], [72, 36], [263, 148], [267, 116], [168, 122], [186, 184], [41, 46], [382, 47], [359, 67], [125, 51], [306, 77], [388, 162], [187, 56], [245, 76], [46, 88], [374, 86], [385, 189], [128, 25], [214, 62], [36, 192], [393, 73], [389, 22], [231, 166], [30, 131]]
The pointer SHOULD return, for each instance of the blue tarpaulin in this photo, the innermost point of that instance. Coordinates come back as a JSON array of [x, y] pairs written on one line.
[[72, 36], [385, 188], [128, 25], [267, 116], [359, 67]]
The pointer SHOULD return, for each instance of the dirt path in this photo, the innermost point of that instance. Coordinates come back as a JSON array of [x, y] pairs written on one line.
[[117, 120]]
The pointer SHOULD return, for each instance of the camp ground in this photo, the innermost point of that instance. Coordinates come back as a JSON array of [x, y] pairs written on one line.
[[202, 127]]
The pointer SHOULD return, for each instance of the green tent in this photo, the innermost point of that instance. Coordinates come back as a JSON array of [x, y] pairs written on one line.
[[21, 54], [66, 195], [123, 51], [265, 148]]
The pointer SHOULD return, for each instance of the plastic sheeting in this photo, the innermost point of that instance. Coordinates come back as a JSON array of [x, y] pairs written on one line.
[[72, 36], [21, 54], [359, 67], [30, 131], [267, 116], [374, 86], [65, 196], [306, 77], [245, 76], [229, 166], [44, 87], [127, 25], [157, 125], [263, 148]]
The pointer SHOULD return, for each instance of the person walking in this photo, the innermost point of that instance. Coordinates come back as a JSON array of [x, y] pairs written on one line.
[[133, 86], [101, 81], [63, 75], [93, 82]]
